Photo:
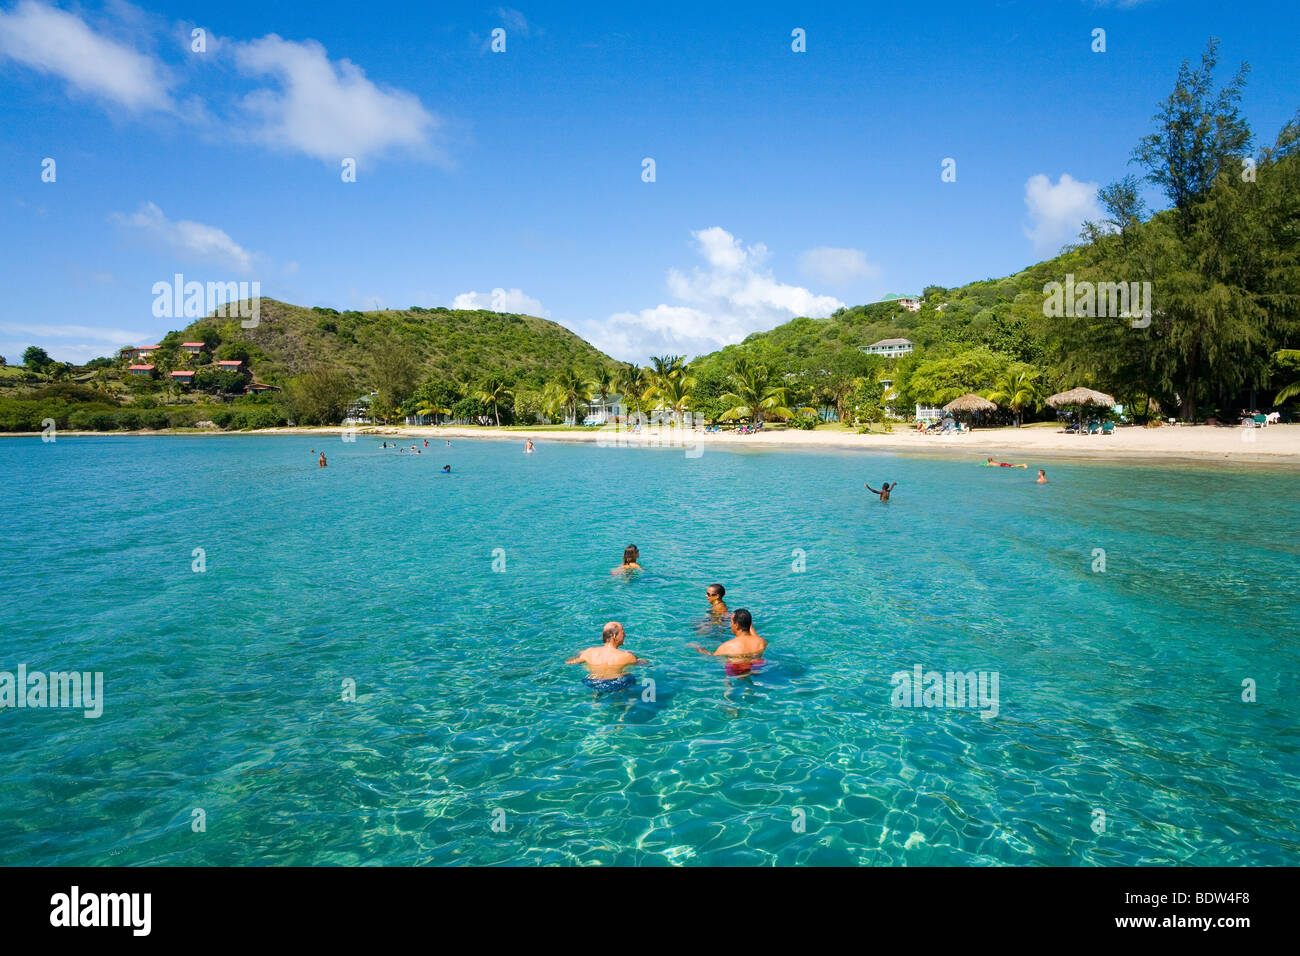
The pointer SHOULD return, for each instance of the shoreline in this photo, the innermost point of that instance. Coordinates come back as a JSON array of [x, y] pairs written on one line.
[[1277, 445]]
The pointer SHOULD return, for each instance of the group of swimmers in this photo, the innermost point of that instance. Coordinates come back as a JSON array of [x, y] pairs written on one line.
[[607, 663]]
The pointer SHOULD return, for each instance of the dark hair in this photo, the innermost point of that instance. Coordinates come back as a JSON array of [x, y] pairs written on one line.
[[717, 589], [743, 619], [630, 554]]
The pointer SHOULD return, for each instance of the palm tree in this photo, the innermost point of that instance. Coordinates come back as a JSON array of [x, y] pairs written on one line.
[[675, 394], [492, 392], [431, 408], [603, 383], [573, 390], [756, 392], [1018, 389], [668, 366], [1289, 357], [634, 382]]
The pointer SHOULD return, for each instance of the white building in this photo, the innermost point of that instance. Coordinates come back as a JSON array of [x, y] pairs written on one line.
[[910, 302], [889, 348]]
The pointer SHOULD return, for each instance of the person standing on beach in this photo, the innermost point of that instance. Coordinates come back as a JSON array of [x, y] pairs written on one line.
[[631, 555], [607, 662], [885, 489]]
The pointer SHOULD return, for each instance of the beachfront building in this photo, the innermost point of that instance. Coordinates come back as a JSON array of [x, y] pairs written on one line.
[[929, 412], [603, 412], [194, 348], [889, 348], [183, 377], [143, 371], [358, 412], [912, 303]]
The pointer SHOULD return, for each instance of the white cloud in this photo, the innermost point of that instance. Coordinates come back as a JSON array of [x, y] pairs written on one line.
[[716, 306], [92, 342], [1056, 212], [501, 300], [60, 43], [328, 109], [514, 20], [837, 266], [189, 239]]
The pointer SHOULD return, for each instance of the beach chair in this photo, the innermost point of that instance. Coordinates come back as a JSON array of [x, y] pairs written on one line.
[[1261, 421], [1094, 427], [1108, 428]]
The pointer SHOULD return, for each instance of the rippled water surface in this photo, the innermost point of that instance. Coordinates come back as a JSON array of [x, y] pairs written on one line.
[[1119, 690]]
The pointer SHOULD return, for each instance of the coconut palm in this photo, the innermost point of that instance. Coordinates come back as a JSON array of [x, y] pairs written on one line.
[[573, 390], [668, 366], [493, 391], [756, 392], [1018, 389], [431, 408], [634, 383], [675, 394], [1289, 357]]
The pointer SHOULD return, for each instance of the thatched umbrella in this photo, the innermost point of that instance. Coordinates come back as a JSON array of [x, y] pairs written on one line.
[[1079, 399], [970, 402]]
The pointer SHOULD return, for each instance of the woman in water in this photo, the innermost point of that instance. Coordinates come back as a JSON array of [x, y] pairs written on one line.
[[631, 555], [885, 489], [1042, 477]]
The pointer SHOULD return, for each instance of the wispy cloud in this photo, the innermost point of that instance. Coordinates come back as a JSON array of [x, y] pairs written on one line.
[[837, 266], [1057, 211], [327, 108], [62, 44], [187, 239], [732, 296]]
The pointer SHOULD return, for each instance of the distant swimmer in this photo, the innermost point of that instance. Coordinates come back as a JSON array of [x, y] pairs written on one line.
[[528, 447], [446, 469], [448, 442], [1001, 464], [631, 555], [426, 443], [322, 459], [607, 662], [715, 593], [745, 649], [1042, 477], [885, 489]]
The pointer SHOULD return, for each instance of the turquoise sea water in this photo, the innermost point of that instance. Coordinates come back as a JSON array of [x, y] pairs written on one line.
[[1119, 691]]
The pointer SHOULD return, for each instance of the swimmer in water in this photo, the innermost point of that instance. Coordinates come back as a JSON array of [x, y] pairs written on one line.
[[715, 593], [426, 443], [631, 555], [744, 650], [1042, 477], [885, 489], [1001, 464], [448, 442], [607, 662], [322, 459], [446, 469], [528, 447]]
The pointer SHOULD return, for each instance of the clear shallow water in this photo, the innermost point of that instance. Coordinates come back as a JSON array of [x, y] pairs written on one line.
[[1118, 691]]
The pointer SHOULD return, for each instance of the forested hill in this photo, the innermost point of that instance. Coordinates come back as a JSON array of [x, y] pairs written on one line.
[[448, 344]]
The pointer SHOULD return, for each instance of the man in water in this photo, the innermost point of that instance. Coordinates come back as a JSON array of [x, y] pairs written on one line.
[[607, 662], [631, 555], [885, 489], [744, 650], [446, 469], [528, 447], [1001, 464], [1042, 477], [322, 460], [715, 593]]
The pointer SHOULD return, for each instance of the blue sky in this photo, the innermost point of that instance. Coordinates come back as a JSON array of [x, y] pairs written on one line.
[[785, 183]]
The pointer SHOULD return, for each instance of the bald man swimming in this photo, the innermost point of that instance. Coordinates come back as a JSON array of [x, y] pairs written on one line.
[[607, 663]]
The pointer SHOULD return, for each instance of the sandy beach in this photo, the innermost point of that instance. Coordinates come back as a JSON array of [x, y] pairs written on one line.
[[1276, 444]]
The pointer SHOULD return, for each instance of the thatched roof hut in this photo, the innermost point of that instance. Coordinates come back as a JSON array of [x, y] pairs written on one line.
[[970, 402], [1080, 397]]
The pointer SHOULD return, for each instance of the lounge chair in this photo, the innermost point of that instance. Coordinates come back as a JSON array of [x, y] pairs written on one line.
[[1094, 428], [1108, 428], [1261, 421]]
